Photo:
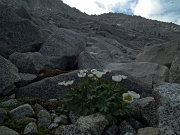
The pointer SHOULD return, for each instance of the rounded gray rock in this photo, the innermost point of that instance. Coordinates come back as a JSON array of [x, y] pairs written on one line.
[[31, 129], [44, 118], [30, 62]]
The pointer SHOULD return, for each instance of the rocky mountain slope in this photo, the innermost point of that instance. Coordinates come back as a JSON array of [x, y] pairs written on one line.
[[45, 42]]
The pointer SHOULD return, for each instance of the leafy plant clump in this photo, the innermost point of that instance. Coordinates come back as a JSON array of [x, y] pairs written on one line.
[[98, 96]]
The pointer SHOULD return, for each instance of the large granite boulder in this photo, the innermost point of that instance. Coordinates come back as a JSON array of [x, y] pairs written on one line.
[[162, 54], [174, 72], [168, 99], [145, 111], [90, 125], [87, 60], [48, 88], [62, 49], [17, 34], [30, 62], [8, 75], [143, 70]]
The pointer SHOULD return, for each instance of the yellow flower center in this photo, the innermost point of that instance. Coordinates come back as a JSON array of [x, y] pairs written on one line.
[[128, 98]]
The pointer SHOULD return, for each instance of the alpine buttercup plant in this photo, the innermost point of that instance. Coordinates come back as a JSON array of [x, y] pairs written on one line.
[[100, 95]]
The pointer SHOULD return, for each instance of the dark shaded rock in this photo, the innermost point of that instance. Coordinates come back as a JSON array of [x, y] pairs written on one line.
[[9, 75], [48, 88], [23, 13], [30, 62], [3, 115], [73, 117], [124, 128], [38, 108], [146, 111], [17, 34], [87, 61], [174, 72], [62, 48], [135, 124], [7, 131], [110, 130]]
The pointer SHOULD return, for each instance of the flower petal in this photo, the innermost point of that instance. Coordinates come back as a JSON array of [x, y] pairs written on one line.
[[134, 94]]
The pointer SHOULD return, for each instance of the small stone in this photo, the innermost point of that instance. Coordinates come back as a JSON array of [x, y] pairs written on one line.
[[73, 117], [126, 127], [12, 96], [3, 115], [148, 131], [63, 116], [38, 107], [53, 115], [58, 120], [64, 119], [44, 118], [135, 124], [31, 129], [129, 133], [53, 126], [9, 102]]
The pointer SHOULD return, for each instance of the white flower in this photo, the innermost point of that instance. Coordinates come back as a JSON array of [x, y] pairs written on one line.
[[134, 94], [127, 98], [93, 70], [116, 78], [99, 74], [66, 83], [90, 75], [81, 74], [70, 82], [61, 83], [106, 71], [123, 76], [83, 71]]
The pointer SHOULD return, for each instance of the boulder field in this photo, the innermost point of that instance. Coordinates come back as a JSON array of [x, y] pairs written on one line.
[[43, 43]]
